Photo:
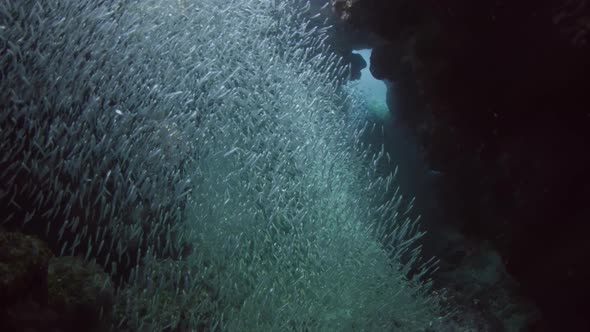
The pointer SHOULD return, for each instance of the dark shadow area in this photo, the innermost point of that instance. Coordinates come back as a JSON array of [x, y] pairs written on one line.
[[494, 95]]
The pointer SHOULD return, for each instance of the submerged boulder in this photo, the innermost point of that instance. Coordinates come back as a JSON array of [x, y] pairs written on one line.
[[24, 261], [40, 292], [81, 293], [23, 268]]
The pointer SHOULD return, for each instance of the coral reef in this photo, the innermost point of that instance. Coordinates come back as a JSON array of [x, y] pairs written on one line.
[[40, 292]]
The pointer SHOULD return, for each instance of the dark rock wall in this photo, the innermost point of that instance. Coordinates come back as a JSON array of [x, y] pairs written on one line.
[[498, 95]]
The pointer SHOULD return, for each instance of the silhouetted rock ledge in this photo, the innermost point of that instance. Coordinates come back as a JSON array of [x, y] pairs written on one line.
[[40, 292]]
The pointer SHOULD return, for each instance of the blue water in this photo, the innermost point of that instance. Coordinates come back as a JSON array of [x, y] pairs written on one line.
[[374, 90]]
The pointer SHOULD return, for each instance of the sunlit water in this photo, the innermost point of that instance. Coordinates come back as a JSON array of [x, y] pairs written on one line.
[[372, 89]]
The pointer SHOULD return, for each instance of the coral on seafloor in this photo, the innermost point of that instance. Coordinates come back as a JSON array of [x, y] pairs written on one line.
[[40, 292]]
